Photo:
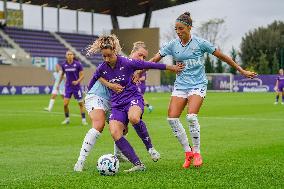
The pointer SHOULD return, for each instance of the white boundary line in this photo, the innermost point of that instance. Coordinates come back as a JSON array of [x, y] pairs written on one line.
[[4, 113], [15, 113]]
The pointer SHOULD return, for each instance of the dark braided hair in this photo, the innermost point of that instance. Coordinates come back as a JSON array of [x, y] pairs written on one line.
[[185, 19]]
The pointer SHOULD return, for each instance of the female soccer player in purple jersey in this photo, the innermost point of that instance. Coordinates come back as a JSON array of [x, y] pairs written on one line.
[[140, 52], [97, 104], [73, 70], [191, 84], [127, 105], [279, 87]]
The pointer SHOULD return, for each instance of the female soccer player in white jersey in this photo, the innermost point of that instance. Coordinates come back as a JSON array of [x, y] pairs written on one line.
[[191, 84], [56, 90]]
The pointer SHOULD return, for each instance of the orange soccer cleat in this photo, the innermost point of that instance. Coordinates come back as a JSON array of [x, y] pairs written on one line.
[[197, 160], [188, 158]]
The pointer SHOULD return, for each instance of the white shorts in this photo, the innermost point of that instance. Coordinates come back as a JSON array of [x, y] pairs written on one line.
[[96, 102], [55, 91], [200, 91]]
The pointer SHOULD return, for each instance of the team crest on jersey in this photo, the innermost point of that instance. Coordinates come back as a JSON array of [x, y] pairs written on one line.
[[117, 79], [193, 47], [104, 72]]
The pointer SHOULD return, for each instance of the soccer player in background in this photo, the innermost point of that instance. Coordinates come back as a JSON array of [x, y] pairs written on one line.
[[279, 87], [127, 105], [73, 70], [140, 52], [56, 90], [191, 84]]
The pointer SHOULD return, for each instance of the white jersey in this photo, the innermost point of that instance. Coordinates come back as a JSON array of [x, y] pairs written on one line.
[[61, 91], [100, 90], [57, 76], [98, 97], [191, 54]]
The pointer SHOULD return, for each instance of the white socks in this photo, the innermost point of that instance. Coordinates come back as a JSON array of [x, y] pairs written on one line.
[[88, 143], [194, 129], [51, 103], [116, 150], [180, 133]]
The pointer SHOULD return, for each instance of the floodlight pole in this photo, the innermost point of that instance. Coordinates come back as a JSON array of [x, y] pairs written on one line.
[[114, 22], [5, 8], [282, 52], [148, 16], [21, 4], [42, 18], [77, 21], [92, 21], [58, 18]]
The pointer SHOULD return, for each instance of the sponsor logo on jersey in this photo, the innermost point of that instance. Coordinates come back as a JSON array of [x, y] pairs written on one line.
[[70, 69]]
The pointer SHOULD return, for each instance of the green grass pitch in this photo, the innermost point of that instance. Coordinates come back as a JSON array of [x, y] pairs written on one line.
[[242, 143]]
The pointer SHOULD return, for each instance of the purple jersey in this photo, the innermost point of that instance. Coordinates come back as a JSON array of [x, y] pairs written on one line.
[[280, 79], [72, 73], [142, 84], [122, 74]]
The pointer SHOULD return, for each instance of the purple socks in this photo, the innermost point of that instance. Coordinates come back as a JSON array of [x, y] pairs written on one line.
[[127, 150], [142, 132]]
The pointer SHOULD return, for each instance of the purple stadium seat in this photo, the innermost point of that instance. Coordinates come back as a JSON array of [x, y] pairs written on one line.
[[80, 42], [38, 43]]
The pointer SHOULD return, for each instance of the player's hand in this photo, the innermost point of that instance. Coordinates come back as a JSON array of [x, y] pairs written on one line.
[[176, 68], [116, 87], [275, 89], [249, 74], [75, 82]]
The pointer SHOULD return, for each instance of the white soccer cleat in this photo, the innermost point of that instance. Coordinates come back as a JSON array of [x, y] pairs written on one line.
[[121, 157], [282, 103], [79, 166], [150, 109], [65, 122], [275, 102], [155, 155], [84, 122], [140, 167], [46, 109]]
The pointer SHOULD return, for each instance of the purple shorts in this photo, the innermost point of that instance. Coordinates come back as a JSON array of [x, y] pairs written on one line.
[[78, 95], [280, 88], [121, 114]]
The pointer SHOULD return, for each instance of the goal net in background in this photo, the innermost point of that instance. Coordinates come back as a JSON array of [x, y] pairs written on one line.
[[220, 82]]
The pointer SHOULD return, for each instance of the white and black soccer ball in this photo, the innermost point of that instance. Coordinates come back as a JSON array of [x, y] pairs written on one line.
[[108, 165]]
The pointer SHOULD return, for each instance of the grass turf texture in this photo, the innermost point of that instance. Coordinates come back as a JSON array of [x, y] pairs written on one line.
[[242, 143]]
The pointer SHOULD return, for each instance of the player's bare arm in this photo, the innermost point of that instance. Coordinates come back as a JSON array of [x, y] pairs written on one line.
[[231, 62], [113, 86]]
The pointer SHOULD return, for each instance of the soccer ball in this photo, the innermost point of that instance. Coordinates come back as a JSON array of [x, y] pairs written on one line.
[[108, 165]]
